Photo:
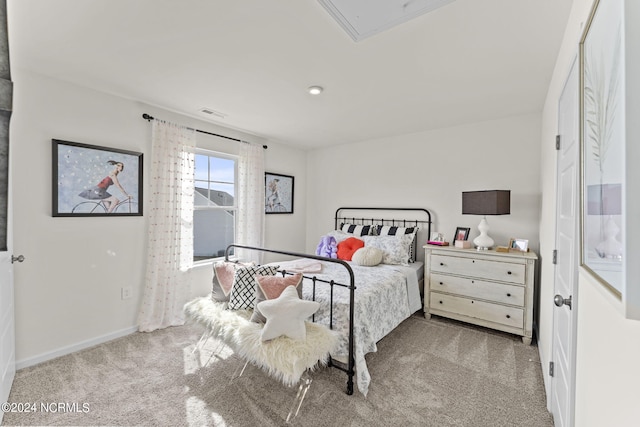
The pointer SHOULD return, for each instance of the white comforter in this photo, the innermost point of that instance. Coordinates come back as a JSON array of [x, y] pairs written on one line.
[[385, 296]]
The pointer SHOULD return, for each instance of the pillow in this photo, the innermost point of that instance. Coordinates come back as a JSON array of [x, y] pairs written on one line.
[[358, 230], [395, 249], [328, 247], [347, 247], [286, 315], [223, 272], [367, 256], [391, 230], [339, 235], [270, 287], [243, 292]]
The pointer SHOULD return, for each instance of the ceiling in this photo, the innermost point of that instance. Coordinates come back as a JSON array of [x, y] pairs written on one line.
[[252, 61]]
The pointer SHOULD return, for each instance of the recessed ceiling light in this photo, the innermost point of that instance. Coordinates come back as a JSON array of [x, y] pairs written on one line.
[[315, 90]]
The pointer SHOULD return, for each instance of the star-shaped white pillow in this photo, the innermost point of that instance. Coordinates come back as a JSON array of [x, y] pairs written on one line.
[[286, 315]]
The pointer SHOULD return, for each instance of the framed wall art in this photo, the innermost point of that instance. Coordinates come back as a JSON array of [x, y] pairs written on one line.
[[603, 144], [90, 180], [278, 193]]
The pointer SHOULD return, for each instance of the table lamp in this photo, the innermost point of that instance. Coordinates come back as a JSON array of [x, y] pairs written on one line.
[[487, 202], [606, 200]]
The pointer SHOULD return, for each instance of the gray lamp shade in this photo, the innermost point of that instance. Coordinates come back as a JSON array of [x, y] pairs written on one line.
[[605, 199], [488, 202]]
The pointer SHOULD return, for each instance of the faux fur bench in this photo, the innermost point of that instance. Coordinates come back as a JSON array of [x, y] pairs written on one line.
[[282, 358]]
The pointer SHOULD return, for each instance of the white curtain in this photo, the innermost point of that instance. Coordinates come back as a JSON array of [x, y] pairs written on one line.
[[170, 218], [250, 222]]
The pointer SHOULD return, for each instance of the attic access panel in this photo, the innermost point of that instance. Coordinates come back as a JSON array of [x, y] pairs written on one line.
[[365, 18]]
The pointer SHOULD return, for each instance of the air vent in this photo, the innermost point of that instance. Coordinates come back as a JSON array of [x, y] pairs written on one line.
[[212, 112], [364, 18]]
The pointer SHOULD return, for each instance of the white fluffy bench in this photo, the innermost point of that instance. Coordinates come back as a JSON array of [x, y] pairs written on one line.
[[282, 358]]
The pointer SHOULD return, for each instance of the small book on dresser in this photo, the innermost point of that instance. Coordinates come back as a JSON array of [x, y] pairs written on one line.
[[437, 243]]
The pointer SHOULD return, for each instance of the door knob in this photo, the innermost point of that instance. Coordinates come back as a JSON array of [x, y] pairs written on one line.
[[19, 258], [559, 301]]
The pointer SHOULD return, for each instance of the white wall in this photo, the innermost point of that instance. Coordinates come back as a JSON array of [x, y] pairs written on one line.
[[67, 292], [608, 347], [431, 170]]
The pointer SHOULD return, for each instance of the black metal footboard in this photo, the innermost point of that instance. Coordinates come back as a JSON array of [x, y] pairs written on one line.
[[350, 369]]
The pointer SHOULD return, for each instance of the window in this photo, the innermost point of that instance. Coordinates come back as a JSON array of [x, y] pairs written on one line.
[[214, 207]]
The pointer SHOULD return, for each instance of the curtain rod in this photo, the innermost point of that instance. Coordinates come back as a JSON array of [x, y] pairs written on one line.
[[148, 118]]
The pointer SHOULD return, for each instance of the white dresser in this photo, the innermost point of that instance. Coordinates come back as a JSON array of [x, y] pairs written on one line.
[[487, 288]]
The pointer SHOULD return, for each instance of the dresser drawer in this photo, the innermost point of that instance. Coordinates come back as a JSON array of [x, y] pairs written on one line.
[[504, 315], [474, 288], [481, 268]]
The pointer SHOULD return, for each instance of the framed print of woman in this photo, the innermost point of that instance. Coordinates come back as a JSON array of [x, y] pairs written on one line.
[[90, 180]]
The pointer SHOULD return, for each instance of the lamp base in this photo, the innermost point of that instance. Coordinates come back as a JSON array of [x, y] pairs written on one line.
[[483, 242]]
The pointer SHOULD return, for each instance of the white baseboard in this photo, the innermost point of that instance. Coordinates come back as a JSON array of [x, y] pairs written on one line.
[[31, 361]]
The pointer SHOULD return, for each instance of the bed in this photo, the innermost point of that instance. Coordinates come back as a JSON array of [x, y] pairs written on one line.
[[363, 303]]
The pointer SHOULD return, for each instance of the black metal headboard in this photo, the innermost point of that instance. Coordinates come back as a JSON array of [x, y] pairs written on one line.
[[419, 217]]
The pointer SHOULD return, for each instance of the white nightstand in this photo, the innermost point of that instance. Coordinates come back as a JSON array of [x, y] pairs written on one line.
[[487, 288]]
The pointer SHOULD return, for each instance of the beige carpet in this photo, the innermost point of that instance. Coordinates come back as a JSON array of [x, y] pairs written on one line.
[[426, 373]]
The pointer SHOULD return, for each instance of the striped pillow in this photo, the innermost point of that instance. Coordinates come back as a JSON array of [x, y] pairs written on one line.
[[356, 229]]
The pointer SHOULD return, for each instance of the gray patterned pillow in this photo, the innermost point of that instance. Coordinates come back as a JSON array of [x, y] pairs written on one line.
[[391, 230], [395, 249], [243, 293]]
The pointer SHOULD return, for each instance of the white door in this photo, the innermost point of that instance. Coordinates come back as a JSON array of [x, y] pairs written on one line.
[[7, 337], [564, 313]]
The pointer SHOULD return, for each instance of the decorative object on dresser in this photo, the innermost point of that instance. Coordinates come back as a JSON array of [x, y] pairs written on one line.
[[487, 202], [491, 289], [521, 245], [462, 233]]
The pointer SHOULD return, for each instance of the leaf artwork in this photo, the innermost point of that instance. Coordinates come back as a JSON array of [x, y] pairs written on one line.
[[600, 99]]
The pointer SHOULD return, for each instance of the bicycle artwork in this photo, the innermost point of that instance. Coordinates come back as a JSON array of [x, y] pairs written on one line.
[[278, 193], [95, 181]]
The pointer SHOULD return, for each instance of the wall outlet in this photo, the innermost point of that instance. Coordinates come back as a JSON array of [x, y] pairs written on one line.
[[126, 292]]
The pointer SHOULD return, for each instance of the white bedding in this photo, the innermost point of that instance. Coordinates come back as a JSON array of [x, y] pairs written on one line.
[[385, 296]]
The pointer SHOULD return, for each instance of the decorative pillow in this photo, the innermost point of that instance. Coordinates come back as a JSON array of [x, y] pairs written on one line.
[[391, 230], [286, 315], [223, 272], [328, 247], [347, 247], [243, 293], [339, 235], [367, 256], [395, 249], [270, 287], [358, 230]]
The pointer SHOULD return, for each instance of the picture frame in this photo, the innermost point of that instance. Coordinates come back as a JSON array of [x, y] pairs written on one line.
[[462, 233], [520, 245], [92, 181], [602, 145], [278, 193], [436, 237]]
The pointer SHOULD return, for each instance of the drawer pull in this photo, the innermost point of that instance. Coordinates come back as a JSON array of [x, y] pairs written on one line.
[[441, 283], [442, 263], [508, 295], [440, 302], [473, 281], [508, 316], [508, 272]]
